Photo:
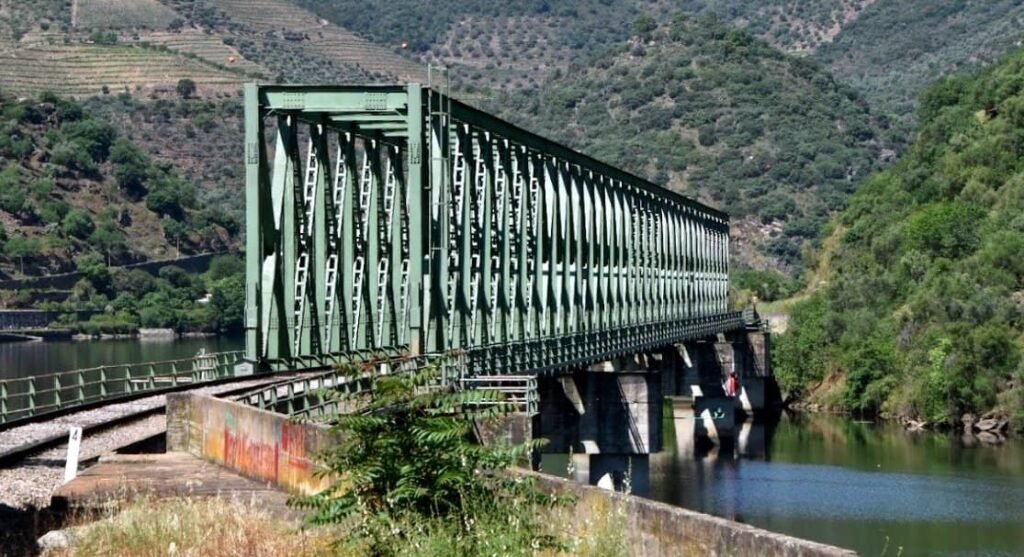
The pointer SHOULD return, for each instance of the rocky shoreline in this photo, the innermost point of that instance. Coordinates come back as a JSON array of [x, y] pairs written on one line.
[[991, 428]]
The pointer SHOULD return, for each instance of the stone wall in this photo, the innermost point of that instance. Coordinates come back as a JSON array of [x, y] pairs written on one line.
[[193, 264], [656, 529], [37, 319], [255, 443]]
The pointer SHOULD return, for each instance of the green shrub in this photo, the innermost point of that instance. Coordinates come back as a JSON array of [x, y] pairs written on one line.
[[407, 459]]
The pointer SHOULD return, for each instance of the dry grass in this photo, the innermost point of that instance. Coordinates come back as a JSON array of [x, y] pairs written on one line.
[[594, 529], [216, 527], [207, 527]]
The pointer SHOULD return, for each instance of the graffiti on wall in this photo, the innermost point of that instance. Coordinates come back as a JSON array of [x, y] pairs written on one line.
[[259, 444]]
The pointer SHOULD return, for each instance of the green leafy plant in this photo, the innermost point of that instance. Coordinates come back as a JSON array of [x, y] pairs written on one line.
[[410, 473]]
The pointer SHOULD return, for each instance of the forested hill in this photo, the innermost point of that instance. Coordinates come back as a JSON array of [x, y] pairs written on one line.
[[719, 115], [71, 187], [923, 311], [889, 50]]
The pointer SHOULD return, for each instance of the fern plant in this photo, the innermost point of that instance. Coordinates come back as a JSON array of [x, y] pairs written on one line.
[[408, 464]]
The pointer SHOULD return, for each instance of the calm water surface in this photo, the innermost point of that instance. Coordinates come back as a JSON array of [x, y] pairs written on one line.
[[868, 487], [24, 359]]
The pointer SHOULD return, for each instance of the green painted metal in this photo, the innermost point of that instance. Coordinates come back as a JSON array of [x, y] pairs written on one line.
[[303, 396], [390, 220], [31, 397]]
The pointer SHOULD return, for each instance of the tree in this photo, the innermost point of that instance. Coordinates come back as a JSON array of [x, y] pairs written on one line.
[[186, 88], [644, 25], [108, 239], [23, 247], [131, 168], [224, 266], [93, 135], [96, 272], [174, 230], [227, 298], [158, 311], [78, 223]]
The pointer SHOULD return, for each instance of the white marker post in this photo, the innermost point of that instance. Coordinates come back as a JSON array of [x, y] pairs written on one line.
[[74, 446]]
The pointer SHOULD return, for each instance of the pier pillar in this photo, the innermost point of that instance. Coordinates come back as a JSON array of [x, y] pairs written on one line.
[[609, 408]]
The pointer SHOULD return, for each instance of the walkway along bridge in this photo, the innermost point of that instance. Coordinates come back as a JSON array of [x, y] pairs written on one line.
[[395, 222]]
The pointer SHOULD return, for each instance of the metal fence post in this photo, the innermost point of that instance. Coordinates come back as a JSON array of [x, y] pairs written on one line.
[[32, 395], [103, 382], [81, 386], [56, 391]]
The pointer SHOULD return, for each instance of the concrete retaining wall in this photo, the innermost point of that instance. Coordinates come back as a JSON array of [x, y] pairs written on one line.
[[257, 444], [656, 529]]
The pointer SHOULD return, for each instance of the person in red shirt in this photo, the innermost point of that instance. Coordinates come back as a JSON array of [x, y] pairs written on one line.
[[732, 385]]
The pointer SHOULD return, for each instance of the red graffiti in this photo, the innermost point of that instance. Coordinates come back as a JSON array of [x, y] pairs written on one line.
[[251, 457], [293, 443]]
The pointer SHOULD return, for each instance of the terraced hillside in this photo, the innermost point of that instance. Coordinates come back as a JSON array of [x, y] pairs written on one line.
[[83, 69], [319, 36], [121, 14], [202, 45]]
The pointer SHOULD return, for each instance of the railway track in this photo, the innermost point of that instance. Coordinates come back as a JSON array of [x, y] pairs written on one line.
[[32, 455]]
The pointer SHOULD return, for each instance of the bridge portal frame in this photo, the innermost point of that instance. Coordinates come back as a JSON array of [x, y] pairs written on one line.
[[414, 224]]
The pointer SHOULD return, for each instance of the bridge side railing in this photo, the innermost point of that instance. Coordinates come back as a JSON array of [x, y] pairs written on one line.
[[304, 396], [39, 395]]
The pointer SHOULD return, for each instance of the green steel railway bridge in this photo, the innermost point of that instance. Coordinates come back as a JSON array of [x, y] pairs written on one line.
[[396, 220]]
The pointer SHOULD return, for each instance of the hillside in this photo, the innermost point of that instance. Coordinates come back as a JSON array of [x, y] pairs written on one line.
[[889, 50], [896, 49], [796, 26], [719, 115], [183, 132], [72, 186], [923, 311], [89, 47], [775, 140]]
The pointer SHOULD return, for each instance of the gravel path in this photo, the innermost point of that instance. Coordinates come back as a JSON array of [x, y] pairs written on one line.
[[30, 481]]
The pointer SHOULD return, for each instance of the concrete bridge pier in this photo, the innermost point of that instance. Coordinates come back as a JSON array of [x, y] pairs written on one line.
[[609, 408], [609, 416], [707, 364]]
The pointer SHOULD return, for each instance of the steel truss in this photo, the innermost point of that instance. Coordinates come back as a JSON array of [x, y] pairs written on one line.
[[395, 220]]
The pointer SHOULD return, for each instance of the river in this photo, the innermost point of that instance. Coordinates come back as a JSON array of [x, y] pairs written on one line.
[[24, 359], [873, 488]]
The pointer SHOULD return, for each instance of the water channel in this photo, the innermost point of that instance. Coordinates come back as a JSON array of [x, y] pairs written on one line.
[[24, 359], [873, 488]]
